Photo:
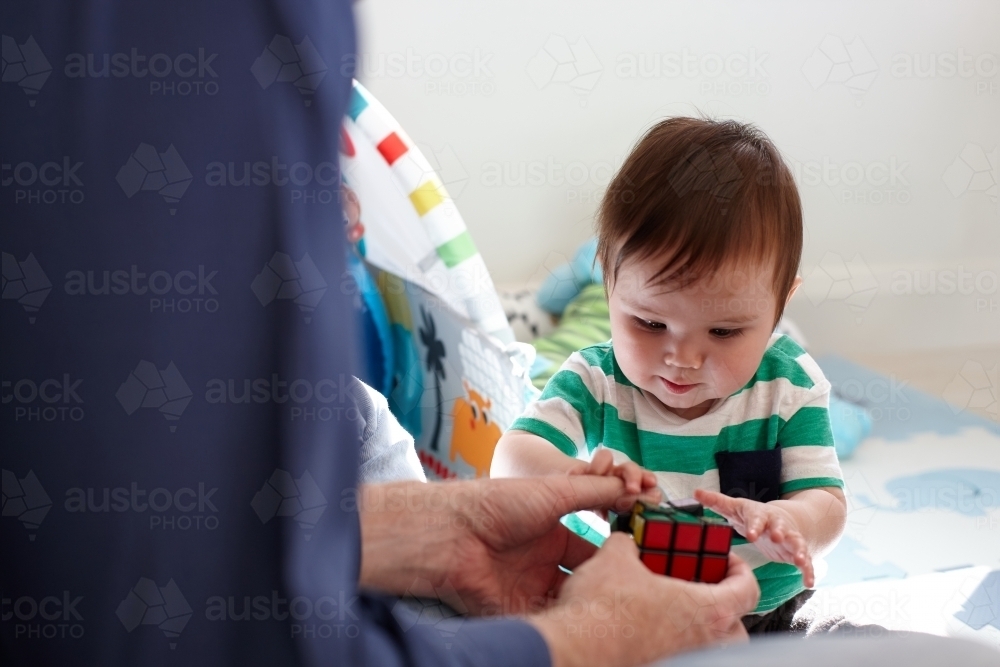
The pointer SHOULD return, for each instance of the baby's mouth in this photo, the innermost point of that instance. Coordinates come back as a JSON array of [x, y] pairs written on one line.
[[677, 388]]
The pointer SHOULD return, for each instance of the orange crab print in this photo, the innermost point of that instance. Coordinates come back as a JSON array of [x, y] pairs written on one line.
[[474, 435]]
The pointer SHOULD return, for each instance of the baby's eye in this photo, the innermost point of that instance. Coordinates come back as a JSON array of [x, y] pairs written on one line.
[[726, 333], [650, 325]]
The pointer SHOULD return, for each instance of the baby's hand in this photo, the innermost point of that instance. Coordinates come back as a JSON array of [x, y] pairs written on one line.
[[638, 481], [767, 525]]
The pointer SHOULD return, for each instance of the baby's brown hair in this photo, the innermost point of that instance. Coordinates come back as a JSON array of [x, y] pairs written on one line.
[[703, 195]]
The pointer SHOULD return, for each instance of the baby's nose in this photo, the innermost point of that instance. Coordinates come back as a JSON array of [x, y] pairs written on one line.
[[684, 356]]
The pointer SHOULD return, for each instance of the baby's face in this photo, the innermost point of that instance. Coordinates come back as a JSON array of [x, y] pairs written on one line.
[[691, 346]]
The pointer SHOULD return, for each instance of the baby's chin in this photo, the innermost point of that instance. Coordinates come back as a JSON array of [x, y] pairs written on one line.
[[693, 398]]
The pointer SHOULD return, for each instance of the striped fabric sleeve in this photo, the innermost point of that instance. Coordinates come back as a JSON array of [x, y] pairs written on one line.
[[567, 412], [808, 457]]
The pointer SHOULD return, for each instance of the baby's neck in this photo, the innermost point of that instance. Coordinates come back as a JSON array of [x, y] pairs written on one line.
[[692, 412]]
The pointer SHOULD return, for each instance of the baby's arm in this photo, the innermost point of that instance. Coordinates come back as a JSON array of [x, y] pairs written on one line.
[[795, 529], [523, 454]]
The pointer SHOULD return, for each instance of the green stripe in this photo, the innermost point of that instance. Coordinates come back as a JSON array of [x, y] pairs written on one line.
[[778, 582], [583, 529], [778, 362], [789, 347], [690, 454], [808, 426], [457, 250], [562, 441], [602, 356], [600, 421], [810, 483]]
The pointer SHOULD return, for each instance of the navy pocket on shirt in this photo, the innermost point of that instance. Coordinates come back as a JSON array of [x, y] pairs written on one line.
[[754, 475]]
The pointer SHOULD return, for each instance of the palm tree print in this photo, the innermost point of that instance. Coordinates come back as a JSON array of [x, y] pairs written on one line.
[[435, 357]]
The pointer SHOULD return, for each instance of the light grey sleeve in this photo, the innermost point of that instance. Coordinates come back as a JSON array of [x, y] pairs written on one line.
[[387, 453]]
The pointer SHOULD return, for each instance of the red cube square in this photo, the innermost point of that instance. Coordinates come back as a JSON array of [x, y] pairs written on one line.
[[684, 566], [717, 539], [391, 148], [713, 569], [656, 562], [657, 534], [688, 537]]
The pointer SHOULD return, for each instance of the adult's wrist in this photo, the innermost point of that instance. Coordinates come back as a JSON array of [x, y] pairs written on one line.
[[409, 531]]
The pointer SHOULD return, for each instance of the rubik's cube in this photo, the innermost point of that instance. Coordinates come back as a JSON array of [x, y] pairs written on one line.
[[677, 539]]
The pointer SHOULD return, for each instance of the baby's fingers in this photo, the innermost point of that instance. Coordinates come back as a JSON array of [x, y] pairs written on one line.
[[602, 463], [795, 544], [756, 524], [632, 475]]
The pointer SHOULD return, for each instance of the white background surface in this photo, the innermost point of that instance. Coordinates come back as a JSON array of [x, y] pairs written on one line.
[[493, 101]]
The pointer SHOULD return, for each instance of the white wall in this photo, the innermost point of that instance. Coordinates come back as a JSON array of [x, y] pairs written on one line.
[[479, 86]]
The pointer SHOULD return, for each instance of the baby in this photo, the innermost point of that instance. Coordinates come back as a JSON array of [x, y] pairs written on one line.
[[700, 236]]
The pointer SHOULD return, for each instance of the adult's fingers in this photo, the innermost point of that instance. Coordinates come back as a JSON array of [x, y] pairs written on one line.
[[577, 551], [739, 590], [571, 493]]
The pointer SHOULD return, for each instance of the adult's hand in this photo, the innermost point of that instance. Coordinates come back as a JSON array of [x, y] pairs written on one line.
[[495, 546], [495, 543], [613, 611]]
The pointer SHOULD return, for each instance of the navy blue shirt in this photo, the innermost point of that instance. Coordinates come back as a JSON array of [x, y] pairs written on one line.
[[178, 455]]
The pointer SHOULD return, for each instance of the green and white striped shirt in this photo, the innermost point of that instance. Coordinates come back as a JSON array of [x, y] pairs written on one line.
[[589, 403]]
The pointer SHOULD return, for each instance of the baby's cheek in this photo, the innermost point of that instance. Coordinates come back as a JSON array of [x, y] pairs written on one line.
[[735, 371]]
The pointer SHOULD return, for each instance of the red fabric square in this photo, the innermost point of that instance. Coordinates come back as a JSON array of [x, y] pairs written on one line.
[[684, 566], [688, 537], [391, 148], [655, 562], [713, 569], [717, 539], [657, 534]]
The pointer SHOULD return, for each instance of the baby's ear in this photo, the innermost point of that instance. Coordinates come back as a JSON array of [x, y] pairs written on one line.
[[795, 287]]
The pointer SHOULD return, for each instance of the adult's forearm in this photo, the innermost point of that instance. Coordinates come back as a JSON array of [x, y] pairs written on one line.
[[408, 533]]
